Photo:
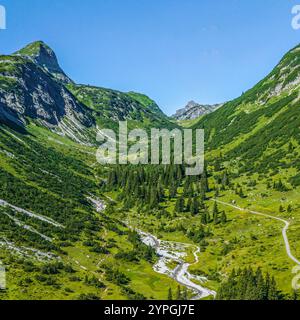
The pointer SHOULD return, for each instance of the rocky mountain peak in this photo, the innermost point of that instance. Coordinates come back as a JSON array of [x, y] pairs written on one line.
[[41, 54], [194, 110], [191, 104]]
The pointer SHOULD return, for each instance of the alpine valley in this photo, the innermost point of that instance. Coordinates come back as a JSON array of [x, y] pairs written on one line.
[[72, 229]]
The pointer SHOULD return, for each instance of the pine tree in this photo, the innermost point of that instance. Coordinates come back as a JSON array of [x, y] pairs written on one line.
[[273, 292], [241, 193], [154, 198], [204, 218], [217, 193], [248, 285], [261, 285], [208, 218], [225, 180], [189, 205], [179, 207], [170, 295], [204, 182], [295, 295], [291, 147], [216, 213], [185, 294], [109, 208], [172, 191], [195, 206], [223, 217], [202, 195], [178, 293]]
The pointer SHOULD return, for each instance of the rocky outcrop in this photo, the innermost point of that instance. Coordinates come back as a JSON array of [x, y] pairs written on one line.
[[27, 91], [42, 55], [194, 110], [33, 88]]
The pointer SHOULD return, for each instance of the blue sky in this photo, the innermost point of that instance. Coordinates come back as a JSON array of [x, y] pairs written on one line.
[[172, 50]]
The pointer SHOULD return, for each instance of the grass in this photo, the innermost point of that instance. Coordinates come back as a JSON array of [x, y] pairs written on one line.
[[245, 240]]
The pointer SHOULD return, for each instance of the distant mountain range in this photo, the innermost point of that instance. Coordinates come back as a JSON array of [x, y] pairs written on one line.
[[194, 110], [58, 241], [33, 87]]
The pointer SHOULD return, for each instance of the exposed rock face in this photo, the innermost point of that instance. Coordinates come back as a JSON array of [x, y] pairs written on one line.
[[27, 91], [45, 57], [33, 88], [194, 110]]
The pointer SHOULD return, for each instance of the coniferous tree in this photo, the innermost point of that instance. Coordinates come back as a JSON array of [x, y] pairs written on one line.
[[204, 218], [195, 206], [291, 147], [261, 285], [179, 207], [185, 294], [273, 292], [295, 295], [216, 213], [223, 217], [172, 191], [154, 198], [241, 193], [178, 293], [225, 180], [189, 205], [217, 193], [170, 295], [248, 285]]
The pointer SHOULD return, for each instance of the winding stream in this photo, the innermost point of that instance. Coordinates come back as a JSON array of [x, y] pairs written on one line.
[[171, 259], [173, 253]]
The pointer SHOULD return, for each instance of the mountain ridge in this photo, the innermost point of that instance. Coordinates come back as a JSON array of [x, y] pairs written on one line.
[[33, 86], [57, 246], [246, 127], [41, 54], [194, 110]]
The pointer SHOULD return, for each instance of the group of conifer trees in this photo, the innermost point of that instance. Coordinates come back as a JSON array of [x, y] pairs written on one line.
[[148, 187], [247, 284], [151, 186], [181, 294]]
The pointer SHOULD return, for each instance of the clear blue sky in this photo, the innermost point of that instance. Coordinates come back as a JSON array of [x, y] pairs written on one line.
[[171, 50]]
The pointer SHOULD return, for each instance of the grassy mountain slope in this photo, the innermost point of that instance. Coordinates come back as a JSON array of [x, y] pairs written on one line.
[[57, 246], [66, 250], [111, 106], [53, 242], [252, 161], [248, 116], [257, 128]]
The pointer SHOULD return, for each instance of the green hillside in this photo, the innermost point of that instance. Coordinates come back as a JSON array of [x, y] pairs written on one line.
[[73, 229], [257, 128], [111, 106]]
